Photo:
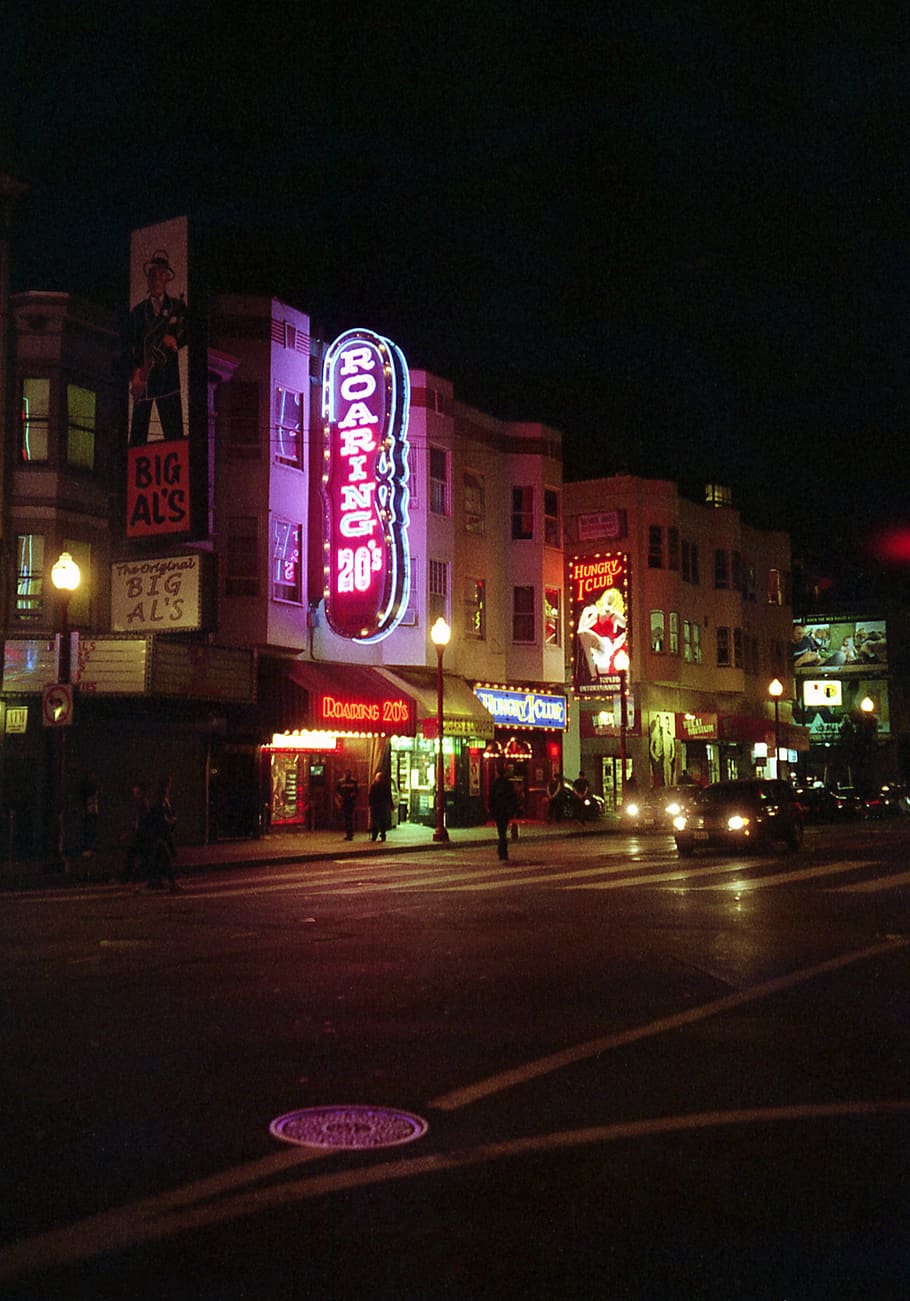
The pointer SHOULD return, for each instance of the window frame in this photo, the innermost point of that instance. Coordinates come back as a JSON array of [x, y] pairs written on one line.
[[41, 421], [76, 431], [522, 513], [286, 593], [528, 613], [292, 459]]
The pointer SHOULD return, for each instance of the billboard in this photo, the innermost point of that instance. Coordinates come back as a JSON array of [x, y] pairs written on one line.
[[599, 612], [168, 425], [851, 646], [365, 402]]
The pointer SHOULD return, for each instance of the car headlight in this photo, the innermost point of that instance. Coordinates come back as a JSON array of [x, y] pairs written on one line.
[[632, 810], [737, 822], [679, 822], [673, 808]]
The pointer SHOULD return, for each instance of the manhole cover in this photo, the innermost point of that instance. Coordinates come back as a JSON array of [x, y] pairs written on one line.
[[348, 1127]]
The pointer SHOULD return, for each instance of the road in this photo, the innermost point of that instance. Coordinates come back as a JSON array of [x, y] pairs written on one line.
[[640, 1077]]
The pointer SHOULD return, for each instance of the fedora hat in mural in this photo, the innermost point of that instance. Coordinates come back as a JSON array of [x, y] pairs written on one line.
[[160, 259]]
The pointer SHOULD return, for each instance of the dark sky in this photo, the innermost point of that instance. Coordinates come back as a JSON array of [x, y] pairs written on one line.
[[676, 232]]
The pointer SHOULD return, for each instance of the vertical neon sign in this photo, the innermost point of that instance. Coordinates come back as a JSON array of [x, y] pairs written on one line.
[[365, 400]]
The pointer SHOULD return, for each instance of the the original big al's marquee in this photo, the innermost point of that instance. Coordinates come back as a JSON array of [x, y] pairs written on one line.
[[365, 396]]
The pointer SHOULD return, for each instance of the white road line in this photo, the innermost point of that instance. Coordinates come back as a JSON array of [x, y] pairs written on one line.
[[593, 1047], [742, 884], [879, 883]]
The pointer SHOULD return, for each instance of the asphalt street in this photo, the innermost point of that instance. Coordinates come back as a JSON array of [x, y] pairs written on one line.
[[595, 1070]]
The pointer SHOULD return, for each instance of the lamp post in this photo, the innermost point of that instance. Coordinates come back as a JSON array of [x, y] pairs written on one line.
[[621, 664], [439, 635], [65, 577], [775, 691]]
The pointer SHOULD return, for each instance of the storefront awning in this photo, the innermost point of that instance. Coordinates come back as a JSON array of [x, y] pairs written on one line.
[[462, 712], [354, 698]]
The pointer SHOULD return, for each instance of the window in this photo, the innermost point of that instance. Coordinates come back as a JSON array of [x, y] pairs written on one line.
[[552, 618], [80, 426], [475, 608], [81, 600], [687, 641], [721, 568], [674, 632], [523, 614], [288, 440], [723, 647], [551, 530], [438, 603], [655, 546], [29, 575], [242, 577], [286, 577], [522, 514], [658, 632], [737, 577], [672, 548], [238, 419], [34, 415], [737, 648], [696, 643], [474, 507], [439, 481], [775, 587]]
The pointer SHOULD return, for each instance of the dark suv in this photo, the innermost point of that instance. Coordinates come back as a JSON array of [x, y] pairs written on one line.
[[741, 813]]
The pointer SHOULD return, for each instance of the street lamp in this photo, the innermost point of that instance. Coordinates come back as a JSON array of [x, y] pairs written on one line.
[[775, 691], [621, 664], [65, 577], [439, 635]]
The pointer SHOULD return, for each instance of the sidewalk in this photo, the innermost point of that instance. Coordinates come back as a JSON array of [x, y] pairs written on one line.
[[292, 846]]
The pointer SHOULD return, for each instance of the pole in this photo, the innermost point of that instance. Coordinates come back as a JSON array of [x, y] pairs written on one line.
[[776, 736], [440, 834], [622, 732]]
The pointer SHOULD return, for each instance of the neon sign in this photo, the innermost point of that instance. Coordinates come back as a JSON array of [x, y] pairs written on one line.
[[599, 598], [365, 396]]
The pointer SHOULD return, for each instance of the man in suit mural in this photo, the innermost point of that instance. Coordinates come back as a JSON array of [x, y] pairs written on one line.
[[157, 332]]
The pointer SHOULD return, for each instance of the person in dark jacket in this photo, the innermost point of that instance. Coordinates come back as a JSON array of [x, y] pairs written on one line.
[[503, 807], [346, 793], [162, 847], [380, 806]]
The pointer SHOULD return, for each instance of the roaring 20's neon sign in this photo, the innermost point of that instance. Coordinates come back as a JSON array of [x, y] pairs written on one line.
[[365, 396]]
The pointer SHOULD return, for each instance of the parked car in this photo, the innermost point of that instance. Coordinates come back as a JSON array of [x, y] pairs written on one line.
[[829, 803], [741, 814], [569, 805], [656, 809], [888, 801]]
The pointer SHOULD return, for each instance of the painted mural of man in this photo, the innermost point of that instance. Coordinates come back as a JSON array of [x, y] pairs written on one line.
[[157, 332]]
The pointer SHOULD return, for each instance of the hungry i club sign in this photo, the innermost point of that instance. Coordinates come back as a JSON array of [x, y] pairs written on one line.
[[365, 395]]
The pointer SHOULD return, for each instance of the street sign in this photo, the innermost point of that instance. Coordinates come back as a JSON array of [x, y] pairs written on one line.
[[57, 705]]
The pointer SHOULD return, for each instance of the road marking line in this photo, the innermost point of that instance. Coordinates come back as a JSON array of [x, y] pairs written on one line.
[[504, 1080], [786, 878], [155, 1218], [878, 883]]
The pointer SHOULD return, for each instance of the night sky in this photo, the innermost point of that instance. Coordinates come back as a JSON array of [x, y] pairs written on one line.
[[676, 232]]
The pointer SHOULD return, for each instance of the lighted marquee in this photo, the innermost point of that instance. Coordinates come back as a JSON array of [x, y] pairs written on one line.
[[365, 397], [599, 610]]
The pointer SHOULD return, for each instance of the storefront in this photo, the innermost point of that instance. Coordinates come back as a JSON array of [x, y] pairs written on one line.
[[467, 729], [605, 743], [527, 741]]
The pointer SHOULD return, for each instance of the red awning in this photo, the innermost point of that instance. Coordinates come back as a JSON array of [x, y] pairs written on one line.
[[352, 698]]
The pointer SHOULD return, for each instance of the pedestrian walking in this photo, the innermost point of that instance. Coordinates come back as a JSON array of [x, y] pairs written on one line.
[[162, 852], [136, 853], [503, 807], [380, 797], [346, 793]]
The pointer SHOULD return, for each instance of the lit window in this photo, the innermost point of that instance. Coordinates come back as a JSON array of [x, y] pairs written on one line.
[[80, 426], [674, 632], [552, 617], [696, 643], [29, 575], [658, 632], [34, 416], [687, 641], [287, 426], [522, 514], [286, 578], [475, 608], [523, 614], [775, 587]]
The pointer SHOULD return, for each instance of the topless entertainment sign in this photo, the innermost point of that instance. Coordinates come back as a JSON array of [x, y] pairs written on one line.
[[599, 610], [167, 433]]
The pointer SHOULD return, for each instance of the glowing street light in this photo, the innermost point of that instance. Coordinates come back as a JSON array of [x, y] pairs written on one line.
[[775, 691], [65, 577], [439, 635]]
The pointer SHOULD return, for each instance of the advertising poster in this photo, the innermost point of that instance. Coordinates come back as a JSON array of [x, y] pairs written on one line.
[[854, 647], [158, 346], [599, 610]]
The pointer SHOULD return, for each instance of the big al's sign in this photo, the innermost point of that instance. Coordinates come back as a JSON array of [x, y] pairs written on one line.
[[365, 395]]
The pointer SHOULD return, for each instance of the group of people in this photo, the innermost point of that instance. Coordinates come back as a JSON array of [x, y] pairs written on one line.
[[380, 800], [151, 850]]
